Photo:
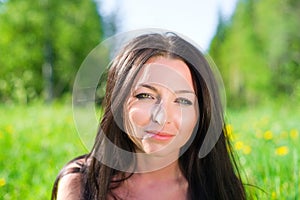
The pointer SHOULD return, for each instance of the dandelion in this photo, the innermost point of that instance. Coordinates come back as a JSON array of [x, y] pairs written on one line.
[[2, 182], [282, 150], [268, 135], [273, 195], [247, 149], [9, 129], [229, 131], [294, 134], [239, 145]]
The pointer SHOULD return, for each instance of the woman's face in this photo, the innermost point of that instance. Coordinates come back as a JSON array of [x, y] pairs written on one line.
[[161, 110]]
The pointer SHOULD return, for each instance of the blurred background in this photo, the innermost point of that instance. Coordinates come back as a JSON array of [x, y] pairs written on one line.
[[255, 45]]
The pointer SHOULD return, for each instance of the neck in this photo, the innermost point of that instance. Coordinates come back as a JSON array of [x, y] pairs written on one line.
[[152, 162], [170, 172], [158, 167], [167, 182]]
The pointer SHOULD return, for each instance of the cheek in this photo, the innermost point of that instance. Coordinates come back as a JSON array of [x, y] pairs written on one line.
[[189, 121], [139, 114]]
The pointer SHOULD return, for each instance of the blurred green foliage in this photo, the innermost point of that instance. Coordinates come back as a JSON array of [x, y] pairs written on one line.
[[42, 44], [258, 51]]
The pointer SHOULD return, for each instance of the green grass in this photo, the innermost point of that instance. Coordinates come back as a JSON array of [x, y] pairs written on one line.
[[266, 140], [37, 140]]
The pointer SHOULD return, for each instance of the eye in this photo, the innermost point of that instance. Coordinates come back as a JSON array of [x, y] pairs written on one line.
[[144, 96], [183, 101]]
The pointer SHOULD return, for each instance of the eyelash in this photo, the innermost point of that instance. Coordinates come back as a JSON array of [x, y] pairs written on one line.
[[144, 96], [182, 101]]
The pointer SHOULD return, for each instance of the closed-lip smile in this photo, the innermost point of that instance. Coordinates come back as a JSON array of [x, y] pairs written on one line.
[[159, 135]]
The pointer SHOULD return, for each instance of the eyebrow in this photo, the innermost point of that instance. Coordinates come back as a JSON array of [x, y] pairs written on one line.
[[149, 87], [155, 90]]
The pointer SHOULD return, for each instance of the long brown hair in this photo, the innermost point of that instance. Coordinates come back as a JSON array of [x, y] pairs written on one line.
[[214, 176]]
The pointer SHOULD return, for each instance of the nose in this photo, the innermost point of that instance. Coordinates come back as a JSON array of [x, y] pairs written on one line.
[[159, 114], [163, 113]]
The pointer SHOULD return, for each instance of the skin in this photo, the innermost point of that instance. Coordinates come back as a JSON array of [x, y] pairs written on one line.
[[161, 113], [69, 187]]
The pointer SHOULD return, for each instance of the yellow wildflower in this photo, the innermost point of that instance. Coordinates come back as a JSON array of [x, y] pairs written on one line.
[[9, 129], [239, 145], [282, 151], [268, 135], [294, 134], [2, 182], [229, 131], [273, 195], [247, 149]]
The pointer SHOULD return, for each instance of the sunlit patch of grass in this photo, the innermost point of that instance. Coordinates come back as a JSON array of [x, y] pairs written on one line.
[[36, 141], [265, 140]]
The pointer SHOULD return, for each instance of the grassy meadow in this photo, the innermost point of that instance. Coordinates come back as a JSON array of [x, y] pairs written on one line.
[[266, 140], [37, 140]]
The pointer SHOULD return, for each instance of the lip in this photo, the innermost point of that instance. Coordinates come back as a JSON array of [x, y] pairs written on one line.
[[159, 135]]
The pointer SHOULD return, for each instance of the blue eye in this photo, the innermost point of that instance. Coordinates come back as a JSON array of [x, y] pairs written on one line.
[[183, 101], [144, 96]]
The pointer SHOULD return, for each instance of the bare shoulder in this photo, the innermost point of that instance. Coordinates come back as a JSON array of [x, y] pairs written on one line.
[[70, 185]]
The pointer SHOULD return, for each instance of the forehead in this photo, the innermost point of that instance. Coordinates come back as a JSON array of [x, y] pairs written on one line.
[[171, 73]]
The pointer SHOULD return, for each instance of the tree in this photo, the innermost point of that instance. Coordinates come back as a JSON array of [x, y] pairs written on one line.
[[257, 51], [42, 44]]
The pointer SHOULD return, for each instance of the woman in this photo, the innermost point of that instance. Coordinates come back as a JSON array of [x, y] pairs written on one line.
[[162, 133]]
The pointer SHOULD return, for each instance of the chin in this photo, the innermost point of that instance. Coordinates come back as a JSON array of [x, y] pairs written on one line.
[[161, 152]]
